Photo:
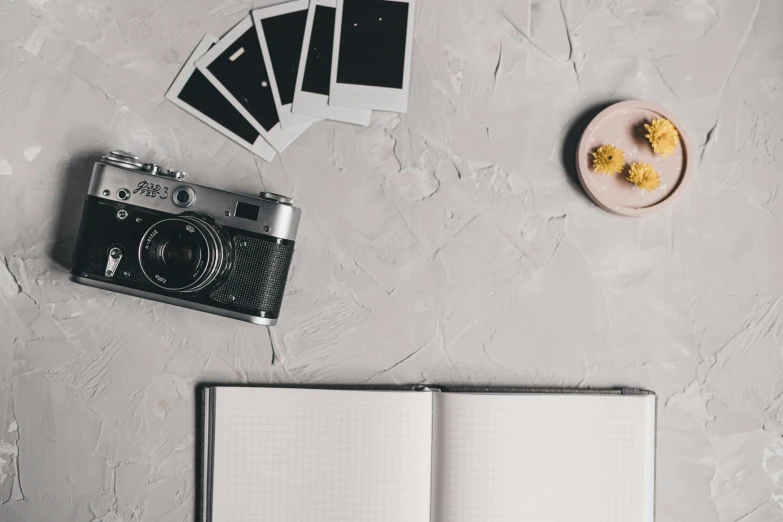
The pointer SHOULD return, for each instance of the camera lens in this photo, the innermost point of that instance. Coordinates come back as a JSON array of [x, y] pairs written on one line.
[[185, 254], [179, 254]]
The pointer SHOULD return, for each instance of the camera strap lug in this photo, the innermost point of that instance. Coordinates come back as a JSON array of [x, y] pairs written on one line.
[[115, 256]]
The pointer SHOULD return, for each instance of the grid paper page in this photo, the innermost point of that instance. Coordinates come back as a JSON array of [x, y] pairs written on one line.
[[541, 458], [306, 455]]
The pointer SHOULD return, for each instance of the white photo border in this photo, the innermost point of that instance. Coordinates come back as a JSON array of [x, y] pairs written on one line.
[[366, 96], [317, 105], [287, 118], [260, 148], [278, 137]]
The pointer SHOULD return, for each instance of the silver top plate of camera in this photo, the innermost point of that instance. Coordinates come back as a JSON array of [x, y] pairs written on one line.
[[120, 176]]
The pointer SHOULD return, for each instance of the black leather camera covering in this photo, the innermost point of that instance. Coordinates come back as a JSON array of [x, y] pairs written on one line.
[[255, 284]]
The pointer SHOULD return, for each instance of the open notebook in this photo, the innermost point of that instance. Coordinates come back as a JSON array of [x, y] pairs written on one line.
[[290, 454]]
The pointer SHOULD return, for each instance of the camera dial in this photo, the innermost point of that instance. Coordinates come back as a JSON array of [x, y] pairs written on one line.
[[175, 174], [130, 161], [277, 198], [152, 168], [125, 160], [186, 254]]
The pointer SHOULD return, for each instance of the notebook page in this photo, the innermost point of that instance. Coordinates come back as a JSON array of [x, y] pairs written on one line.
[[300, 455], [543, 458]]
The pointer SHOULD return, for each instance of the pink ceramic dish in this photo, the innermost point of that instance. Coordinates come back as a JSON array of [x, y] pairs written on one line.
[[622, 125]]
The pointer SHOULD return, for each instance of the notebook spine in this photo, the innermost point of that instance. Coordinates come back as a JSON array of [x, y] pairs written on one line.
[[533, 390], [208, 419], [636, 391]]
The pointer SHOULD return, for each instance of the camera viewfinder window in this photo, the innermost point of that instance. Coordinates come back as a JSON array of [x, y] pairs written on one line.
[[247, 211]]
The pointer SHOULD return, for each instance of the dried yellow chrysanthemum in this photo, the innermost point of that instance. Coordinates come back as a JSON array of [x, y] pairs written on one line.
[[644, 176], [663, 136], [608, 159]]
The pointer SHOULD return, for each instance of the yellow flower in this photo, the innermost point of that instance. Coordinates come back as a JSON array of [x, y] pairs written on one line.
[[663, 136], [608, 159], [643, 176]]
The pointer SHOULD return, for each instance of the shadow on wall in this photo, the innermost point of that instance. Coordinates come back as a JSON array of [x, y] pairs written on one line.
[[73, 192], [574, 133]]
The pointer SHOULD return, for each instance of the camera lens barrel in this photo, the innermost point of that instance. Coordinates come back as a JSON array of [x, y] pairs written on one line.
[[185, 254]]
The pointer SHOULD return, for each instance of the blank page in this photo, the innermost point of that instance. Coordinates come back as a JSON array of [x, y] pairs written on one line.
[[320, 455], [543, 458]]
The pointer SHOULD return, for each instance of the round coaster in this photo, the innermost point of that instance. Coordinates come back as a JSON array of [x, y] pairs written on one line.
[[622, 125]]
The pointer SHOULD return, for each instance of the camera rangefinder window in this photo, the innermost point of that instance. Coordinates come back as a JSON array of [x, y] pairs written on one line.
[[184, 197]]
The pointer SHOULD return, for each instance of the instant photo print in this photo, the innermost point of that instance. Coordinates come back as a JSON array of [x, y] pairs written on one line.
[[372, 54], [311, 96], [281, 32], [194, 93], [236, 67]]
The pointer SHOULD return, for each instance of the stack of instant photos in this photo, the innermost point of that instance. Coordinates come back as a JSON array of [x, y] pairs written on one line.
[[289, 65]]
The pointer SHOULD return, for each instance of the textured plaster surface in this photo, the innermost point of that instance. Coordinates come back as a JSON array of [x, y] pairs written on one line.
[[447, 245]]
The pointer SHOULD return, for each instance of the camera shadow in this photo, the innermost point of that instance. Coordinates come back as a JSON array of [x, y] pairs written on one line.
[[68, 209], [574, 133]]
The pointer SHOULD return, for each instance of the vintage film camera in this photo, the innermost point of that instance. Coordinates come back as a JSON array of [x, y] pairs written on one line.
[[147, 233]]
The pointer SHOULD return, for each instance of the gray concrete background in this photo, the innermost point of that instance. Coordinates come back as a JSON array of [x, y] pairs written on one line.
[[446, 245]]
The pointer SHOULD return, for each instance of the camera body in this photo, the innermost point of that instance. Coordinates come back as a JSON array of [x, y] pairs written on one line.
[[147, 233]]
